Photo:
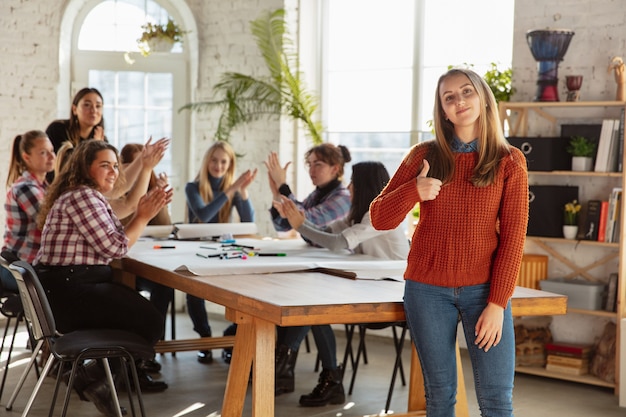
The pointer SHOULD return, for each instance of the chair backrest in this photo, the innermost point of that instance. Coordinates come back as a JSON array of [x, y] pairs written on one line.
[[36, 306]]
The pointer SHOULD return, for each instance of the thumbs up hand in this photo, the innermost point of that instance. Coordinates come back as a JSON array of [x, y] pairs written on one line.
[[427, 188]]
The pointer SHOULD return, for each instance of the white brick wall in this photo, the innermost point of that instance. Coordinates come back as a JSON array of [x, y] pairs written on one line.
[[600, 33], [29, 74]]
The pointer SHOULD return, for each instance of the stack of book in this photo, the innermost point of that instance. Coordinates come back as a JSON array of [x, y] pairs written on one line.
[[569, 358], [610, 154], [603, 218]]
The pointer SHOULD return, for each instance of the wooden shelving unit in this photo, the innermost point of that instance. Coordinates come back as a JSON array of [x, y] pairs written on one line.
[[515, 116]]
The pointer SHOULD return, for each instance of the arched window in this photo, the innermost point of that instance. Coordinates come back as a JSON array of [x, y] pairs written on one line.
[[142, 94]]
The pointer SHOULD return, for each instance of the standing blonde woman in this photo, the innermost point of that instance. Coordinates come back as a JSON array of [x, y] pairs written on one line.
[[467, 248], [211, 198]]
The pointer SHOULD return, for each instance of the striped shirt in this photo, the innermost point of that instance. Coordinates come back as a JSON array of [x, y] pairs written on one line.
[[22, 203], [81, 229], [456, 242]]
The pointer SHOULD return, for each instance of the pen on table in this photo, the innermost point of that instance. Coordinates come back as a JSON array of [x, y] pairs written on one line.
[[163, 247], [236, 245], [271, 254], [208, 256]]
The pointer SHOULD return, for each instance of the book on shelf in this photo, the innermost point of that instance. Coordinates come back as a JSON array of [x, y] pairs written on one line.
[[614, 214], [603, 216], [618, 218], [568, 361], [604, 146], [620, 151], [577, 350], [614, 148], [567, 369], [592, 220], [611, 293]]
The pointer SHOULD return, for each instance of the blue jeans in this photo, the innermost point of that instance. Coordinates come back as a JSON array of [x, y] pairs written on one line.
[[198, 315], [324, 340], [433, 313]]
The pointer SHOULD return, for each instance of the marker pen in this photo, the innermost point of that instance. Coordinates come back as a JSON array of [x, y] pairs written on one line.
[[163, 247]]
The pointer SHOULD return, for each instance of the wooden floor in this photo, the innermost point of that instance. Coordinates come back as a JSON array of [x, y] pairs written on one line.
[[196, 390]]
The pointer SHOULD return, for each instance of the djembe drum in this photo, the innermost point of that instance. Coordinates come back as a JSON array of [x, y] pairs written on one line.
[[548, 48]]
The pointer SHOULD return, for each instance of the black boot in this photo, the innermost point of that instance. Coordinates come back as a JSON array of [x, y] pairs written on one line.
[[329, 390], [284, 370], [86, 374], [99, 393]]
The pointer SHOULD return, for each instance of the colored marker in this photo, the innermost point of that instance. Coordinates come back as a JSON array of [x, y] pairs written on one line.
[[163, 247], [208, 256], [271, 254]]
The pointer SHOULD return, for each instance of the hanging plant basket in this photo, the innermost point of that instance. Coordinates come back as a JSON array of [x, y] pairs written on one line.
[[160, 44]]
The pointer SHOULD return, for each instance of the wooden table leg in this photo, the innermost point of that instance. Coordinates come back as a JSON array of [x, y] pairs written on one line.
[[417, 399], [255, 343]]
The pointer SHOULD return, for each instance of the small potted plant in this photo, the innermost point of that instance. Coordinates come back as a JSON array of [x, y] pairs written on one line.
[[571, 211], [582, 150], [159, 38]]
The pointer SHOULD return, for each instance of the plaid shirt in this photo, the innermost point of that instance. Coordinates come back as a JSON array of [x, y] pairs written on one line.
[[321, 211], [22, 203], [81, 229]]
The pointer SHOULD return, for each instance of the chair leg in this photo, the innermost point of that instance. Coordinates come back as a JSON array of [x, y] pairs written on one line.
[[348, 354], [40, 381], [359, 351], [116, 401], [173, 318], [399, 344], [20, 383], [8, 362]]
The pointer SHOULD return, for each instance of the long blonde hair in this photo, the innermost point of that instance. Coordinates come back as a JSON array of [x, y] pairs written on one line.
[[492, 145], [204, 185]]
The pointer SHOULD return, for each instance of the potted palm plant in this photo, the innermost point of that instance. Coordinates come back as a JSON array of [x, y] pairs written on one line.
[[159, 37], [243, 98], [582, 150]]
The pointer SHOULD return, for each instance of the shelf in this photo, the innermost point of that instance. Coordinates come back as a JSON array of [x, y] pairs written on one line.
[[578, 173], [584, 379], [597, 313], [614, 245], [520, 127]]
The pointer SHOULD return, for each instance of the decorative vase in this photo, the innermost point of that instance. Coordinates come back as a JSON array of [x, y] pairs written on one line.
[[582, 163], [570, 231], [160, 44]]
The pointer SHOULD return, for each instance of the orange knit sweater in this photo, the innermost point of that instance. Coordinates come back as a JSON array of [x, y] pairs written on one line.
[[456, 243]]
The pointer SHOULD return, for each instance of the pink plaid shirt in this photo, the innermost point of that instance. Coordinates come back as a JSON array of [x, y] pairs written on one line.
[[81, 229], [22, 203]]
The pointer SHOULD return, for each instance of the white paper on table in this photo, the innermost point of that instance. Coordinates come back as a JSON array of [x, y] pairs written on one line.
[[210, 230], [299, 257]]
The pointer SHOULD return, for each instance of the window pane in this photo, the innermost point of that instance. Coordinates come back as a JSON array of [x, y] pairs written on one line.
[[366, 34], [370, 100], [137, 105], [115, 25]]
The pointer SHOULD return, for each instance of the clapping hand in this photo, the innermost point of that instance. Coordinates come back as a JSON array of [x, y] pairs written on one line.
[[277, 174], [242, 183], [290, 211], [151, 203], [152, 153]]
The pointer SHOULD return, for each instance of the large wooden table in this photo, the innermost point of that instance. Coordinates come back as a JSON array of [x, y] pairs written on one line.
[[259, 302]]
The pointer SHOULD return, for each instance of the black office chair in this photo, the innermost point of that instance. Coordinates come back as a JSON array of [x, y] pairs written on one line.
[[398, 342], [11, 308], [74, 347]]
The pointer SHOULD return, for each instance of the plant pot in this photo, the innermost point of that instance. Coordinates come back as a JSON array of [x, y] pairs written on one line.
[[160, 44], [582, 163], [570, 231]]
